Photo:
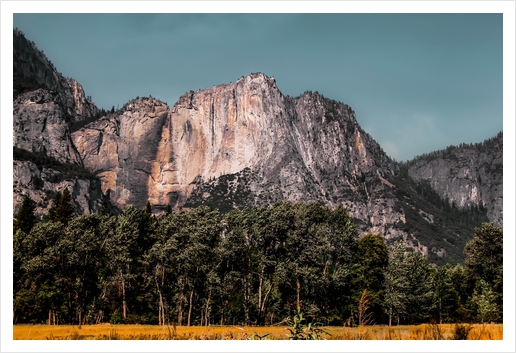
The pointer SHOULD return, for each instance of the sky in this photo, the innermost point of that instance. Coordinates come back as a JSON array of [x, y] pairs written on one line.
[[417, 82]]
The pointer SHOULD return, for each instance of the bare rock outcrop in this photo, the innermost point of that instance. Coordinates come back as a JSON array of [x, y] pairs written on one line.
[[121, 150], [32, 70], [41, 184], [39, 125], [44, 107], [466, 175]]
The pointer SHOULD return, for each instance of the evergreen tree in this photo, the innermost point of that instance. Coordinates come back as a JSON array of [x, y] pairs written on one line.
[[372, 258], [419, 294], [66, 209], [484, 300], [396, 283], [62, 209], [484, 260], [25, 218], [52, 212], [445, 297], [104, 208], [148, 208]]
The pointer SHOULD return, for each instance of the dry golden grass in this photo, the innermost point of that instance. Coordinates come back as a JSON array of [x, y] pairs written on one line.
[[420, 332], [151, 332]]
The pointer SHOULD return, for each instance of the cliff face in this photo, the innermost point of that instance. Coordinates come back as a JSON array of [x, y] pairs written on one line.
[[32, 70], [45, 105], [41, 184], [39, 125], [303, 149], [121, 150], [466, 175]]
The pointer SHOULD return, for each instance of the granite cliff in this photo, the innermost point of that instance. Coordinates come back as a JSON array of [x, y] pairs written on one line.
[[468, 175], [307, 148], [45, 105]]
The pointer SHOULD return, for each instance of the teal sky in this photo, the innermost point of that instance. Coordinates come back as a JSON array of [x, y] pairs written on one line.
[[418, 82]]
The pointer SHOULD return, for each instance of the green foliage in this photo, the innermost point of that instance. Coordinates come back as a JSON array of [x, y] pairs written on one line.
[[484, 261], [77, 125], [484, 300], [372, 258], [445, 296], [249, 266], [451, 151], [455, 226], [25, 218], [396, 283], [419, 295], [62, 209], [299, 330], [22, 85], [104, 208], [116, 318]]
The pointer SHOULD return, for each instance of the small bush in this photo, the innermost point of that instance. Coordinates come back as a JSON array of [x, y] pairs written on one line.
[[300, 331], [461, 332], [116, 318]]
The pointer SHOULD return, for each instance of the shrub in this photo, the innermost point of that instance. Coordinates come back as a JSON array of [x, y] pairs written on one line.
[[300, 331]]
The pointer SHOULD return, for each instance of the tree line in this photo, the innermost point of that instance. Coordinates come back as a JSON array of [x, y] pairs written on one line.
[[451, 151], [252, 266]]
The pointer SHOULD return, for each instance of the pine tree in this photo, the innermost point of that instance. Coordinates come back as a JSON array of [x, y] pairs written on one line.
[[484, 260], [51, 216], [445, 297], [104, 208], [62, 209], [396, 283], [484, 300], [25, 218], [148, 208]]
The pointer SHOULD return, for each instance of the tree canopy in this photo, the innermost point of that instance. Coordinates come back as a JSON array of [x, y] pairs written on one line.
[[254, 265]]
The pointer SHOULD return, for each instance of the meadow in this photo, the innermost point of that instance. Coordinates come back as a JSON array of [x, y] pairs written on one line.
[[154, 332]]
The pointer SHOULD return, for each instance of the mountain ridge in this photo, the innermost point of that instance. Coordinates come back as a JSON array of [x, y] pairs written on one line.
[[236, 145]]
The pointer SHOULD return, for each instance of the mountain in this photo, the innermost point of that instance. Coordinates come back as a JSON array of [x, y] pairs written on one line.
[[240, 144], [469, 175], [45, 105]]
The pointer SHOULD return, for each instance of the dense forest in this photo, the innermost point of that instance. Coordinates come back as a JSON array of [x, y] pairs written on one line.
[[252, 266]]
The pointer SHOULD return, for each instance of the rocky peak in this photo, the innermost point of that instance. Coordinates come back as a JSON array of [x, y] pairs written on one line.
[[32, 69], [44, 107], [469, 175], [31, 66]]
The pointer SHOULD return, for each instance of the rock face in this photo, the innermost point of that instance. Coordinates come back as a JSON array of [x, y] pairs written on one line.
[[32, 70], [39, 125], [302, 149], [42, 183], [466, 175], [121, 149], [44, 107]]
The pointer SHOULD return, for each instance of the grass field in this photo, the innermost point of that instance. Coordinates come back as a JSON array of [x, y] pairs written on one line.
[[151, 332]]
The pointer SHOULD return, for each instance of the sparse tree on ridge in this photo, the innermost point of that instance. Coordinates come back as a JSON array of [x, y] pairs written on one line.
[[25, 218]]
